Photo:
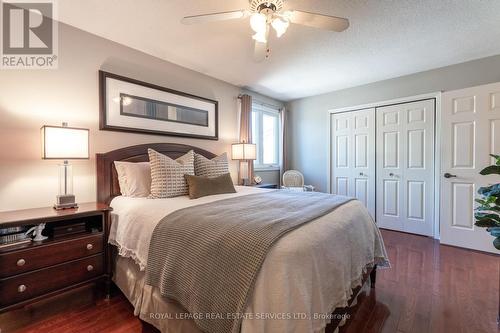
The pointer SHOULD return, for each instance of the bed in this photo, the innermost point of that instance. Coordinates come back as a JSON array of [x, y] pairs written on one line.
[[307, 282]]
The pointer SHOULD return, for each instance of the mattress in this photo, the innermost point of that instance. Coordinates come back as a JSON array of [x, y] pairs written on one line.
[[308, 273]]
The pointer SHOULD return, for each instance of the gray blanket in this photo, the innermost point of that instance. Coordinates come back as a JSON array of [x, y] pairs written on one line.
[[207, 257]]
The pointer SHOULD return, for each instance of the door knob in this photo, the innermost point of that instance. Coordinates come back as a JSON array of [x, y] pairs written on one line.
[[449, 175], [391, 174]]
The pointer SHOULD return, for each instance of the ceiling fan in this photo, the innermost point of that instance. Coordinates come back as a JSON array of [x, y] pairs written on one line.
[[267, 14]]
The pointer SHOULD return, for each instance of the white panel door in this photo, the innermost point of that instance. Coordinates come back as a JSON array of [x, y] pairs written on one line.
[[405, 167], [470, 132], [353, 156]]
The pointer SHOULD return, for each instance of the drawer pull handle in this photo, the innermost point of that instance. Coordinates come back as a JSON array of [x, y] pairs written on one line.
[[21, 262], [90, 268], [21, 288], [90, 247]]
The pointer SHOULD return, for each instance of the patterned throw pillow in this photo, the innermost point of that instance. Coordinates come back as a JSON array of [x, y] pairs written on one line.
[[215, 167], [167, 175]]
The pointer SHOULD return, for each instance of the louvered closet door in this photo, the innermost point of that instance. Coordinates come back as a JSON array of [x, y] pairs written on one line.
[[405, 167], [353, 156], [470, 131]]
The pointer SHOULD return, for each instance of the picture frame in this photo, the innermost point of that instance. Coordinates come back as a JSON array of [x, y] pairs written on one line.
[[130, 105]]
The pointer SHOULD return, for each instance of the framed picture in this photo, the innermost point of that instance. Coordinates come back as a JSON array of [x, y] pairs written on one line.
[[133, 106]]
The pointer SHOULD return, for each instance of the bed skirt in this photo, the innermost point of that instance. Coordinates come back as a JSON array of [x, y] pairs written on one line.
[[153, 308]]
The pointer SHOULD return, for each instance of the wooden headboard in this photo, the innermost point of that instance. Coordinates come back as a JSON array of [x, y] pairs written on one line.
[[107, 178]]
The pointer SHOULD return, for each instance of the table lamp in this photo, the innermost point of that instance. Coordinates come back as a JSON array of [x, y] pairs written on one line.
[[244, 152], [65, 143]]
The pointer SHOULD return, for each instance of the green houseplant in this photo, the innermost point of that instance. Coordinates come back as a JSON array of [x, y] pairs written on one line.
[[487, 214]]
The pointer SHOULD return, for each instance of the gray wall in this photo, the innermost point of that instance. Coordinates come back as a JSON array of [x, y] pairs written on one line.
[[30, 99], [308, 117]]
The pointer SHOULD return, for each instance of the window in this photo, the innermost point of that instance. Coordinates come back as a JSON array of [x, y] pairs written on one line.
[[265, 134]]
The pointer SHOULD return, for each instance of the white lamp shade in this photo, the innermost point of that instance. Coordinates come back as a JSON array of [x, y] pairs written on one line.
[[65, 143], [280, 25], [244, 151], [258, 22]]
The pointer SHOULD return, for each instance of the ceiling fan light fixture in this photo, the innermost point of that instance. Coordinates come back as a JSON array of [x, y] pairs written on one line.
[[260, 37], [258, 23], [265, 14], [280, 25]]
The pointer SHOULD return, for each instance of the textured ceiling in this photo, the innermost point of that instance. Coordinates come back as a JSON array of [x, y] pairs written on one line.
[[386, 39]]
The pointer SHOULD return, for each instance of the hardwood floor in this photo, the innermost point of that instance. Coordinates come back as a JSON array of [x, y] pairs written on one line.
[[430, 288]]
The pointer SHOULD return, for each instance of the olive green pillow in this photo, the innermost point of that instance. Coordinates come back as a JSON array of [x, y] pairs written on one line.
[[203, 186]]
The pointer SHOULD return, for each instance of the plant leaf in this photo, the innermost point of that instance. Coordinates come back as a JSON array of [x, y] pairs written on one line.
[[490, 190], [486, 216], [497, 158], [491, 170], [481, 201], [491, 199], [494, 209], [487, 223]]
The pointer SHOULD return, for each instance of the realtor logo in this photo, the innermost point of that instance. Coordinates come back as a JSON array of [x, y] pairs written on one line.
[[29, 34]]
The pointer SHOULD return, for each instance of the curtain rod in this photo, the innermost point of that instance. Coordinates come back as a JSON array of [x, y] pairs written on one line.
[[256, 101]]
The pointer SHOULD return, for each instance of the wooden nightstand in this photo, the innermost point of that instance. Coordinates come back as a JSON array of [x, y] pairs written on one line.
[[74, 255]]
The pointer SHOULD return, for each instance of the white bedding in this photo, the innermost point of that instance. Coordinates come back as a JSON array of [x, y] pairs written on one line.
[[310, 271], [134, 219]]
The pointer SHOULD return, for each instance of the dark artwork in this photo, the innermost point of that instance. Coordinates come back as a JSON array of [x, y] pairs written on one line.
[[148, 108]]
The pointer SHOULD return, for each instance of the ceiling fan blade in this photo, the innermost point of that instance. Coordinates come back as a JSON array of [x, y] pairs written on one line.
[[320, 21], [261, 51], [222, 16]]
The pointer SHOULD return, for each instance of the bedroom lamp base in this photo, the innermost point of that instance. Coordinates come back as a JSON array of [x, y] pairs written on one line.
[[65, 201]]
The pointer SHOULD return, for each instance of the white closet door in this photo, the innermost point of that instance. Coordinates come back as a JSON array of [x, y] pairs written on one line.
[[405, 167], [353, 156], [470, 131]]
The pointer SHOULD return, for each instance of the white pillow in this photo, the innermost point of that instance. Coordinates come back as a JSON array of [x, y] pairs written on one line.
[[134, 178]]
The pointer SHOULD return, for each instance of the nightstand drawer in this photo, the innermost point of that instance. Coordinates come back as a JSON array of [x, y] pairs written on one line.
[[21, 261], [26, 286]]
